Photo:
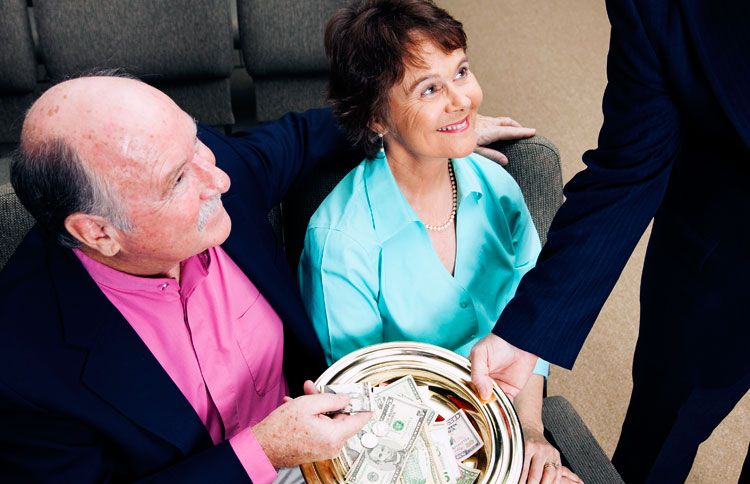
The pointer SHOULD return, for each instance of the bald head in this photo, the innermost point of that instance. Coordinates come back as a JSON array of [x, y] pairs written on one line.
[[99, 117], [76, 136], [114, 166]]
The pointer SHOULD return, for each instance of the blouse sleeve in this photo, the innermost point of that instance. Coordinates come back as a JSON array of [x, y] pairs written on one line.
[[339, 282]]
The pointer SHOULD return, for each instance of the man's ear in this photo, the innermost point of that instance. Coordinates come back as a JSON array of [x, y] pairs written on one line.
[[95, 232]]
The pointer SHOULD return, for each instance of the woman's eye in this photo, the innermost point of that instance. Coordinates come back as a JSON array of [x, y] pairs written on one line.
[[179, 179], [430, 90], [463, 72]]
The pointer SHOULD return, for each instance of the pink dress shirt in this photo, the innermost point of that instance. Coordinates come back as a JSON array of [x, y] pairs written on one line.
[[218, 339]]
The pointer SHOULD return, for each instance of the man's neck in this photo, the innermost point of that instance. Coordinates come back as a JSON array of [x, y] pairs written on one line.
[[136, 268]]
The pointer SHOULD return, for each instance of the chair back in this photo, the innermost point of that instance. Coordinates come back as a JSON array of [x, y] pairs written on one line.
[[282, 46], [183, 47], [18, 87]]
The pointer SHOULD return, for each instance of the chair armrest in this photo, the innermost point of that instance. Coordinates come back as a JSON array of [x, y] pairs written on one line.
[[15, 222], [535, 165], [578, 447]]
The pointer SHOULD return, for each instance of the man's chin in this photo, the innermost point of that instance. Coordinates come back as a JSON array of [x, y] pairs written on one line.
[[224, 228]]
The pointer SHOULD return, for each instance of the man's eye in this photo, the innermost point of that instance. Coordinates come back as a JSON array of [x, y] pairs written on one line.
[[463, 72], [179, 179]]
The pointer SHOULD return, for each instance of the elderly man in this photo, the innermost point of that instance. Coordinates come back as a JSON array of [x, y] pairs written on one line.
[[139, 340], [150, 350]]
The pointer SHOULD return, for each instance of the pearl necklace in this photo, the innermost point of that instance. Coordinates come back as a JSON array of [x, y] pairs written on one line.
[[447, 223]]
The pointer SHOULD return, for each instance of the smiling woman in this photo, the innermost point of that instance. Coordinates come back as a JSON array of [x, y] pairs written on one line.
[[424, 240]]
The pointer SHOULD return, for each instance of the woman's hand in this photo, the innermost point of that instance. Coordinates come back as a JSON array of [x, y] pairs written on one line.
[[541, 462], [490, 129]]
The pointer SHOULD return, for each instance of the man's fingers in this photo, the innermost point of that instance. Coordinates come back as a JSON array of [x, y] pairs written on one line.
[[480, 373], [348, 425], [512, 132], [323, 403], [510, 390], [493, 155], [309, 388]]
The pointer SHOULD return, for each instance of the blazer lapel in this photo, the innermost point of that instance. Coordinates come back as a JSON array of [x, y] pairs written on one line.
[[120, 368], [721, 38]]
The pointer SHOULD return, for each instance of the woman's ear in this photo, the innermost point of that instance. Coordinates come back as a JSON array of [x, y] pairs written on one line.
[[94, 232], [379, 128]]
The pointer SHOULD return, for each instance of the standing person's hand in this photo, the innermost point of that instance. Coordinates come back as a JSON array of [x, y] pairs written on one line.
[[493, 358], [490, 129], [299, 431]]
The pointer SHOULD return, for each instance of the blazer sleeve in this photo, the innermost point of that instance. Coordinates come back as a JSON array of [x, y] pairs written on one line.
[[608, 205], [39, 447], [266, 161]]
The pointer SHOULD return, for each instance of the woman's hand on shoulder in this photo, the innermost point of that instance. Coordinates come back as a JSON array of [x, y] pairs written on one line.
[[491, 129], [541, 463]]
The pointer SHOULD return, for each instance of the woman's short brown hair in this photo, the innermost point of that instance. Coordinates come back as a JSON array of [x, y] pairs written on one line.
[[368, 44]]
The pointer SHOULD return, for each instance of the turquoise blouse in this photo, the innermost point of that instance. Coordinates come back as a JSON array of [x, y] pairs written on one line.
[[369, 274]]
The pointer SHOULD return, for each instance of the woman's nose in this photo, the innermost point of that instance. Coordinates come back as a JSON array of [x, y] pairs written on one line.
[[458, 100]]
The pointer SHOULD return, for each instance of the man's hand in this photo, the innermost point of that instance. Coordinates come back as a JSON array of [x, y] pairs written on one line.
[[491, 129], [299, 431], [492, 358]]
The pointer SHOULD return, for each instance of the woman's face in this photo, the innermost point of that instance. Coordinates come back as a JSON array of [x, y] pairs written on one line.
[[433, 110]]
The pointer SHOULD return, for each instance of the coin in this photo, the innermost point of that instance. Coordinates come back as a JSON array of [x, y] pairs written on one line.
[[380, 428], [355, 445], [368, 440]]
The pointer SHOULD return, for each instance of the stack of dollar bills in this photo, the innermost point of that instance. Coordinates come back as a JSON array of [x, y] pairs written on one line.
[[406, 441]]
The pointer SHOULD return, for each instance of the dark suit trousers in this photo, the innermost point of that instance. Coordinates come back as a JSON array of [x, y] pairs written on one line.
[[690, 364]]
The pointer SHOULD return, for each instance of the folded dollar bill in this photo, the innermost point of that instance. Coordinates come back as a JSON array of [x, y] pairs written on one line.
[[360, 395]]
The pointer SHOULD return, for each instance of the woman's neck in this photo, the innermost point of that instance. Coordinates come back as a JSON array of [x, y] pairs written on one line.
[[419, 179]]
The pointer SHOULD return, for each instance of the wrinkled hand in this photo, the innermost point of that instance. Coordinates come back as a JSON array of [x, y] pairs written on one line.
[[493, 358], [299, 431], [490, 129], [537, 453]]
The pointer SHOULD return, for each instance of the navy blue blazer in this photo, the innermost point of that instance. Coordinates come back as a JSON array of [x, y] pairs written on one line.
[[675, 145], [82, 398]]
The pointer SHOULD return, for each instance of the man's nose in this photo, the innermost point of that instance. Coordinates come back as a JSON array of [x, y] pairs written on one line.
[[215, 180]]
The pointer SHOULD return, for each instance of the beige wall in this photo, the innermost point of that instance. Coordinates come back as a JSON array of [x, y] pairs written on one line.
[[542, 62]]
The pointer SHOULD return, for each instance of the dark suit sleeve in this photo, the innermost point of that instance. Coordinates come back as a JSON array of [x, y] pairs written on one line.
[[608, 205], [39, 447], [267, 161]]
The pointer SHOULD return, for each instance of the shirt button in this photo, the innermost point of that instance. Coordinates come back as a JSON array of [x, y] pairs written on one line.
[[464, 304], [164, 286]]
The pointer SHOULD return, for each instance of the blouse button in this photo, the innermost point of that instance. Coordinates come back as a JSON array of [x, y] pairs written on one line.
[[464, 304]]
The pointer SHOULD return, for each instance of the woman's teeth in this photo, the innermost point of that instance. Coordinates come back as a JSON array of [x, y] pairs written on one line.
[[454, 127]]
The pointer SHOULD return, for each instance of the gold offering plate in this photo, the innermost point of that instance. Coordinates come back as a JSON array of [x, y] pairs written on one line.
[[449, 378]]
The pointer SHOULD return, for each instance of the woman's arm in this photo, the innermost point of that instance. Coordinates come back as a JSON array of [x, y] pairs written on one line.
[[540, 458], [339, 282]]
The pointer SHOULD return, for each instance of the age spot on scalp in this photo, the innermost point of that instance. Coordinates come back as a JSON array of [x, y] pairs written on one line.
[[53, 111]]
